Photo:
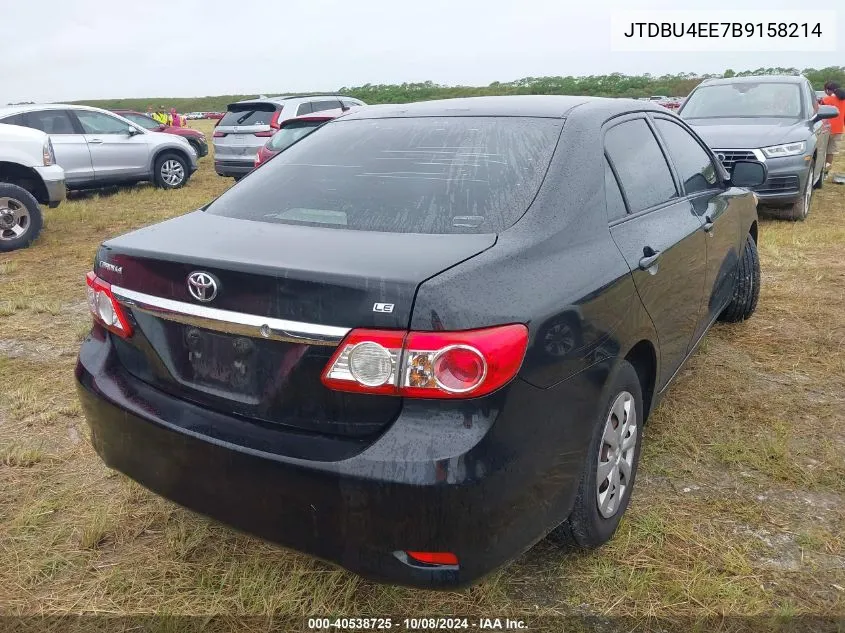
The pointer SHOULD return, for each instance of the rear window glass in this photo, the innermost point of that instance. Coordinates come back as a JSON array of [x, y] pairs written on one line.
[[291, 133], [249, 114], [405, 175]]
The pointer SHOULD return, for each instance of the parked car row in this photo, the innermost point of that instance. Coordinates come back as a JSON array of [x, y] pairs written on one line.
[[433, 333]]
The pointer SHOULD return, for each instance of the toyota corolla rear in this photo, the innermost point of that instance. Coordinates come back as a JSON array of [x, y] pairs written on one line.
[[253, 360]]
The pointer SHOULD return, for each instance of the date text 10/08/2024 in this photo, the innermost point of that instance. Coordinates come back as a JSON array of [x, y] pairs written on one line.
[[416, 624]]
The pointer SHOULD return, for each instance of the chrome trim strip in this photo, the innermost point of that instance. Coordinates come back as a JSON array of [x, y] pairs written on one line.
[[230, 322]]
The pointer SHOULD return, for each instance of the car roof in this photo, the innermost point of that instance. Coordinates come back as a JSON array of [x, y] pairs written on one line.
[[285, 98], [33, 107], [323, 115], [778, 79], [547, 106]]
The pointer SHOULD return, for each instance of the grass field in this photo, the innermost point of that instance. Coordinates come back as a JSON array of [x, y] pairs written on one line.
[[739, 508]]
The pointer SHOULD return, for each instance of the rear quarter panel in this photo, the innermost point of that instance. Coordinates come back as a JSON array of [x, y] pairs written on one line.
[[557, 270]]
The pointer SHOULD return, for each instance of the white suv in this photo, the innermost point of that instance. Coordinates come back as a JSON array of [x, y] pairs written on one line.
[[28, 175], [247, 125]]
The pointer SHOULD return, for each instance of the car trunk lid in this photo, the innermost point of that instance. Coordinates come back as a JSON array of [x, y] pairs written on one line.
[[286, 295]]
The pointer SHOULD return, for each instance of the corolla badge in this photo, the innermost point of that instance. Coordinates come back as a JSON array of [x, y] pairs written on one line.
[[202, 286]]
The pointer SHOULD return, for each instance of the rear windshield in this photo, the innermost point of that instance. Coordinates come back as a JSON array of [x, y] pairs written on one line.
[[249, 114], [744, 99], [404, 175], [291, 133]]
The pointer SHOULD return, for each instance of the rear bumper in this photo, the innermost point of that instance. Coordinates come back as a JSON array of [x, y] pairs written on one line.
[[482, 483], [233, 168]]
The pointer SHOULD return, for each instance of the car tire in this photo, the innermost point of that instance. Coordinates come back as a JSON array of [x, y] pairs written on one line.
[[20, 218], [170, 171], [747, 288], [195, 146], [801, 208], [596, 513], [820, 182]]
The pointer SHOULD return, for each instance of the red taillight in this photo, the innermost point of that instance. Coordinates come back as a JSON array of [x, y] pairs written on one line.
[[105, 310], [267, 133], [433, 558], [464, 364], [274, 120], [219, 134]]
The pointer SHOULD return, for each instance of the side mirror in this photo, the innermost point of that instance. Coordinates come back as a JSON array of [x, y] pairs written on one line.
[[132, 131], [826, 112], [748, 173]]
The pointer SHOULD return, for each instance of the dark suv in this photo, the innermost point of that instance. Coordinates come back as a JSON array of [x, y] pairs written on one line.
[[418, 340], [773, 119]]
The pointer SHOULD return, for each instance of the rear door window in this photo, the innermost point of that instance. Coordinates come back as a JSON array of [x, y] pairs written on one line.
[[319, 106], [403, 175], [639, 162], [51, 121], [248, 114]]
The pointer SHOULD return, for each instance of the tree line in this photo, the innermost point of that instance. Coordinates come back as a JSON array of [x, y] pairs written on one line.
[[613, 85]]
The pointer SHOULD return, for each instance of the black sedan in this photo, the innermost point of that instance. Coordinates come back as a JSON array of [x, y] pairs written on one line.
[[420, 340]]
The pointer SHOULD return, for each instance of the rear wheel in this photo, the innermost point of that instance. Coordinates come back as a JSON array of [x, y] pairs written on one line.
[[747, 288], [607, 479], [171, 171], [20, 217]]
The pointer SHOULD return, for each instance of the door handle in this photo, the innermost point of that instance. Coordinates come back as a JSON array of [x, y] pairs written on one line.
[[95, 140], [649, 258], [708, 224]]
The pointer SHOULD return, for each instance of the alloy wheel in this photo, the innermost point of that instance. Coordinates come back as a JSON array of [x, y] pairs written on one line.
[[14, 218], [172, 172], [616, 455]]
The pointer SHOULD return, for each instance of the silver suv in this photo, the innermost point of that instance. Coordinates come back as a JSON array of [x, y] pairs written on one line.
[[97, 148], [247, 125]]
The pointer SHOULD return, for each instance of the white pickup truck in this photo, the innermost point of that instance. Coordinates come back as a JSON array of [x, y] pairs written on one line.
[[28, 175]]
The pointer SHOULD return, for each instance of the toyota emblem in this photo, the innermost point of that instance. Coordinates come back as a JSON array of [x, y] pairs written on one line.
[[202, 286]]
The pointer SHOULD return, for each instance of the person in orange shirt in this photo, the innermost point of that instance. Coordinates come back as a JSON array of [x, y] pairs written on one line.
[[835, 97]]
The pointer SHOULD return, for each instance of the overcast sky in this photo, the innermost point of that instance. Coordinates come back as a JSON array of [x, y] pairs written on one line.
[[57, 50]]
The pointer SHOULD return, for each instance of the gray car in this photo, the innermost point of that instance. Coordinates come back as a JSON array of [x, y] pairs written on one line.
[[247, 125], [774, 119], [98, 148]]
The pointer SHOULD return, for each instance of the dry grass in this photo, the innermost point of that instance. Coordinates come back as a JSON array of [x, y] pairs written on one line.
[[739, 509]]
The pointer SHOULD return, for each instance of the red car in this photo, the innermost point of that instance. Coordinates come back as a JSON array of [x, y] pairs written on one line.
[[194, 137], [292, 130]]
